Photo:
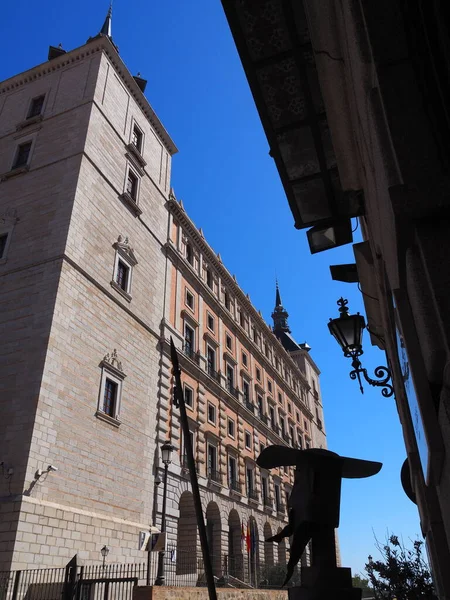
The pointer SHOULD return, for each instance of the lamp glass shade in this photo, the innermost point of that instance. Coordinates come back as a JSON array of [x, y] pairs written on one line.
[[166, 452], [347, 330], [105, 551]]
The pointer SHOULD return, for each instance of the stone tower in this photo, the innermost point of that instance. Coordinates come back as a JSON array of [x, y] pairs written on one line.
[[85, 176]]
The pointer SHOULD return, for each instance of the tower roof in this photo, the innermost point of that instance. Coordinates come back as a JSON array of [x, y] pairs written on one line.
[[277, 295], [107, 25]]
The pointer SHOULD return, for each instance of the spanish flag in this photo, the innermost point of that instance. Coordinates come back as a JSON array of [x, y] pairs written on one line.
[[242, 536], [248, 537]]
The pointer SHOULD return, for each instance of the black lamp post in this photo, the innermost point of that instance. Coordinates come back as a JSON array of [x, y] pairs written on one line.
[[166, 457], [104, 552], [347, 330], [158, 482]]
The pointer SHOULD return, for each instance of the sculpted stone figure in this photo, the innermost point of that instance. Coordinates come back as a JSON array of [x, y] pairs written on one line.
[[314, 503]]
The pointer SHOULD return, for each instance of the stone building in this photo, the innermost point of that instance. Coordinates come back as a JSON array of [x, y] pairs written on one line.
[[99, 266], [354, 100], [246, 386]]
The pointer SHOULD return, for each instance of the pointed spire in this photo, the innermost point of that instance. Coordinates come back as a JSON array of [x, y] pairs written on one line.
[[280, 314], [277, 295], [107, 25]]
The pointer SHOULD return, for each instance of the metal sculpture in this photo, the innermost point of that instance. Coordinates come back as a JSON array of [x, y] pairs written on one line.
[[314, 503]]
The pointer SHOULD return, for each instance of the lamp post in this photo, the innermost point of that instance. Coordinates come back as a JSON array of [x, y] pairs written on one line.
[[166, 457], [158, 482], [347, 330], [104, 552]]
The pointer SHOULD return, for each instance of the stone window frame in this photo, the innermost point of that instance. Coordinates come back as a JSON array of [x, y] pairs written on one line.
[[20, 142], [212, 406], [208, 317], [245, 381], [299, 439], [192, 295], [125, 254], [232, 456], [244, 360], [126, 197], [249, 434], [211, 442], [228, 338], [111, 368], [188, 387], [135, 125], [269, 386], [7, 224], [231, 421]]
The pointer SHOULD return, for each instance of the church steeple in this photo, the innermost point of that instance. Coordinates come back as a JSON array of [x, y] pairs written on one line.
[[107, 25], [280, 314]]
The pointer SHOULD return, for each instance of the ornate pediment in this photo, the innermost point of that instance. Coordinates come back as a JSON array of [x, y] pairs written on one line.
[[112, 361], [124, 248]]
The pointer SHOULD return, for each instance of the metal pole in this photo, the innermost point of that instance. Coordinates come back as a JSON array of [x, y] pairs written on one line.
[[179, 397], [160, 577]]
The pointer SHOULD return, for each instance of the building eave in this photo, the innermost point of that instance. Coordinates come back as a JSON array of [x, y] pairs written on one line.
[[100, 43]]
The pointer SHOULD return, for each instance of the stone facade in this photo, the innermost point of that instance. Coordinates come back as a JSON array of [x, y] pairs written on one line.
[[99, 269]]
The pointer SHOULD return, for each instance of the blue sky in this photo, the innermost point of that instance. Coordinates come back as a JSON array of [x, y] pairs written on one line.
[[230, 187]]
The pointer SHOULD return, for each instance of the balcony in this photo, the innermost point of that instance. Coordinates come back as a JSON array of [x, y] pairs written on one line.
[[235, 486], [213, 373], [190, 353], [185, 465], [233, 391], [249, 406], [215, 476], [281, 509], [253, 495], [267, 501]]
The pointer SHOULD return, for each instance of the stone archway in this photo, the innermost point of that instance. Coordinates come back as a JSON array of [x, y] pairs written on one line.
[[235, 556], [254, 562], [268, 546], [214, 534], [186, 557]]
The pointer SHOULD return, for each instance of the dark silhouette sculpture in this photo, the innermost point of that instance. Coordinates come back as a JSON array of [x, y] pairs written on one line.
[[314, 503]]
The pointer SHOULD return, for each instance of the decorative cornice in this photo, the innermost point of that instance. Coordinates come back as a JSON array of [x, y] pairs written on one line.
[[123, 248], [112, 362], [97, 44]]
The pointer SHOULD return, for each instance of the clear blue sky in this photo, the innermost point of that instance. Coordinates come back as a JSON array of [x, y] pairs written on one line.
[[230, 187]]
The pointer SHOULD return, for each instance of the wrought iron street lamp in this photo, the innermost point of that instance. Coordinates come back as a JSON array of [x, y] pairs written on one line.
[[104, 552], [347, 331], [166, 457]]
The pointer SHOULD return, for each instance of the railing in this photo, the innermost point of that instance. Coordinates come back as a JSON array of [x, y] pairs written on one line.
[[213, 373], [253, 495], [233, 391], [235, 486], [267, 501], [249, 406], [264, 418], [214, 475], [191, 353]]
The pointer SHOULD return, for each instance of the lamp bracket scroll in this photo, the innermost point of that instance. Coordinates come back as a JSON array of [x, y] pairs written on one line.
[[383, 375]]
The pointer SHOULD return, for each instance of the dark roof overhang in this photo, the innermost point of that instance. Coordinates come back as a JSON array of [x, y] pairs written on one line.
[[274, 45]]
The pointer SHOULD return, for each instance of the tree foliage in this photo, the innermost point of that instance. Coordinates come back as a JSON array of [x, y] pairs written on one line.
[[402, 573]]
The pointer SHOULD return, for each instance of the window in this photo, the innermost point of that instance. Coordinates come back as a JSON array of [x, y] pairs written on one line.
[[282, 426], [250, 481], [110, 397], [136, 138], [211, 413], [230, 377], [189, 340], [305, 423], [241, 319], [299, 439], [258, 374], [132, 184], [184, 462], [189, 254], [269, 385], [307, 444], [231, 428], [232, 472], [280, 398], [297, 416], [211, 360], [189, 300], [228, 341], [248, 440], [265, 490], [122, 275], [244, 359], [227, 300], [36, 107], [189, 396], [289, 407], [266, 350], [22, 155], [260, 405], [291, 434], [210, 322], [246, 390], [212, 462], [3, 240], [255, 335], [273, 422], [261, 447], [109, 400], [277, 496], [209, 279]]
